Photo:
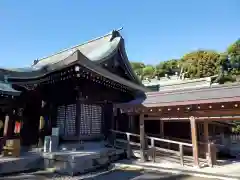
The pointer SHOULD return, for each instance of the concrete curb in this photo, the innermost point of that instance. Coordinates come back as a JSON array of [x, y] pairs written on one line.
[[122, 166]]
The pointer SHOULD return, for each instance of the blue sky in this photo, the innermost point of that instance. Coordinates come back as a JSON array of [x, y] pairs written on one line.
[[154, 30]]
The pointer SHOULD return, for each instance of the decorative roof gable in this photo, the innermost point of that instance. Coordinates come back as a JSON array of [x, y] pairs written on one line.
[[97, 50]]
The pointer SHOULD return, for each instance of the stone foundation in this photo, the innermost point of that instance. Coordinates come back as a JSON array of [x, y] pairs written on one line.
[[71, 159], [79, 162]]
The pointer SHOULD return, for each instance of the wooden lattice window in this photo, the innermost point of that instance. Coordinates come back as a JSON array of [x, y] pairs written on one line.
[[66, 119], [91, 119]]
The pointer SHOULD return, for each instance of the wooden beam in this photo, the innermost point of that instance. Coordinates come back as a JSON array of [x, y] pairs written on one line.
[[193, 103], [196, 113], [165, 119], [202, 118], [194, 141], [142, 138], [220, 112]]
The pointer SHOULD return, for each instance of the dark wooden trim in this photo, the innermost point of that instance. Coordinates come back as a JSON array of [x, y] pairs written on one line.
[[145, 106], [224, 109], [202, 118]]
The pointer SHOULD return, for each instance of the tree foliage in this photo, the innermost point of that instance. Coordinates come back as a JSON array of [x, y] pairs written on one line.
[[201, 63], [196, 64], [148, 71], [234, 49]]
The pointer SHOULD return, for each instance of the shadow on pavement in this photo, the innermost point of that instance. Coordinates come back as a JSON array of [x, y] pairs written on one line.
[[141, 175], [183, 171]]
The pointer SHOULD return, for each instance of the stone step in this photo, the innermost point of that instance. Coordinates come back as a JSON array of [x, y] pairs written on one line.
[[79, 162]]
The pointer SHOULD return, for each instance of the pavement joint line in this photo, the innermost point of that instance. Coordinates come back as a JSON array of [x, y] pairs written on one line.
[[157, 169]]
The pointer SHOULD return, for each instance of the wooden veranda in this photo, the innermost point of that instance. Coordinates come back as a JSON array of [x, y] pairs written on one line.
[[205, 105]]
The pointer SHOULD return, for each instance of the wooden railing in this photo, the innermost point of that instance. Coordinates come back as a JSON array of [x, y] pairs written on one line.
[[153, 147]]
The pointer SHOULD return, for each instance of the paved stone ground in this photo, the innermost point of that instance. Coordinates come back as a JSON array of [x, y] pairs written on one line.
[[105, 175], [124, 175]]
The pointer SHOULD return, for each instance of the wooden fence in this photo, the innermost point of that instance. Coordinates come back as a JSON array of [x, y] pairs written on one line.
[[152, 143], [156, 144]]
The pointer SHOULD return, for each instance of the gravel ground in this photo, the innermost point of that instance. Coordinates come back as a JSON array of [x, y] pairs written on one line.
[[105, 175]]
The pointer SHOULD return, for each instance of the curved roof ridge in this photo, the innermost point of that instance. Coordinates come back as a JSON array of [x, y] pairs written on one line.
[[72, 47]]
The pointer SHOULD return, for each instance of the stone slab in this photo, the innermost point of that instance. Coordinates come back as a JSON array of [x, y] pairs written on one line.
[[78, 162]]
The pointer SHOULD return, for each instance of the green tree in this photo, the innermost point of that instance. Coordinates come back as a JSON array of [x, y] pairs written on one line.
[[196, 64], [233, 52], [148, 71], [202, 63], [167, 67], [138, 68], [137, 65], [234, 49]]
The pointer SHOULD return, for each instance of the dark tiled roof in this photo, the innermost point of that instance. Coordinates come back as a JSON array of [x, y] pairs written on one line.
[[94, 50], [6, 89], [219, 93], [92, 53]]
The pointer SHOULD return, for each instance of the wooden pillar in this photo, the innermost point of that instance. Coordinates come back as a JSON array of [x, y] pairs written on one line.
[[78, 112], [7, 126], [206, 137], [194, 141], [118, 118], [113, 121], [131, 124], [142, 138], [42, 125], [108, 119], [161, 128], [129, 150], [211, 153], [6, 132], [114, 124]]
